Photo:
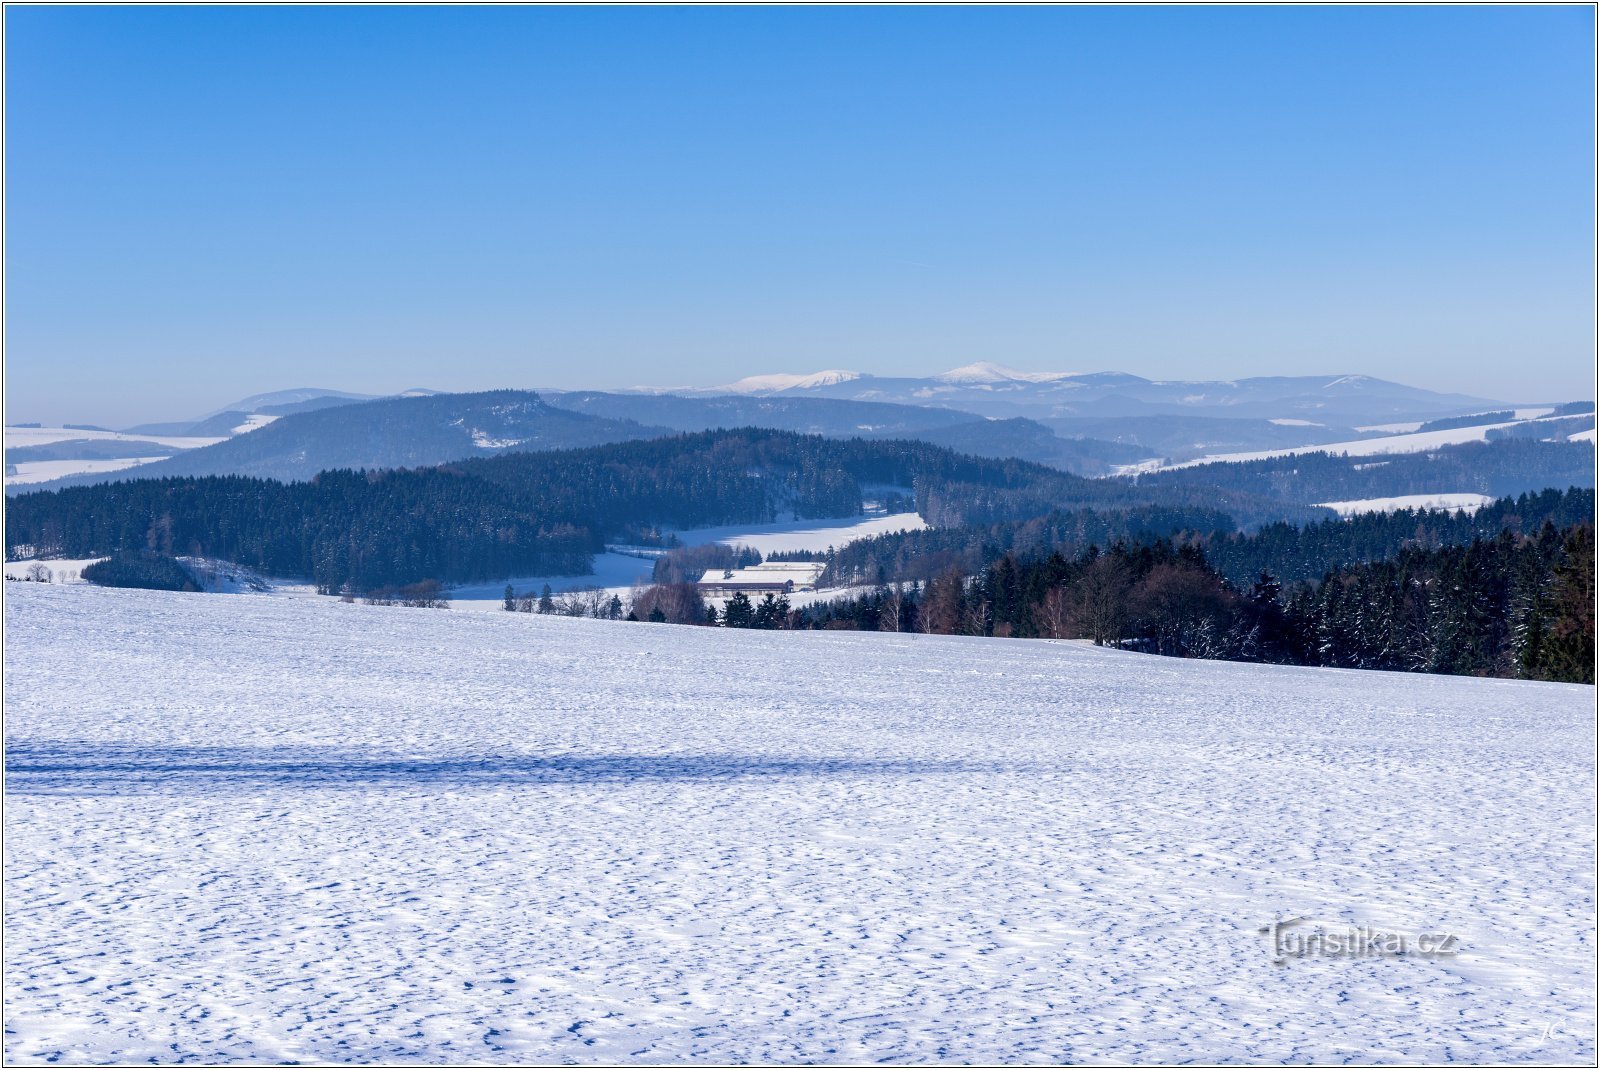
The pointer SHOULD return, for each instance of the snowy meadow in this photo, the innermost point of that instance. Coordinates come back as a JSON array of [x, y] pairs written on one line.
[[281, 829]]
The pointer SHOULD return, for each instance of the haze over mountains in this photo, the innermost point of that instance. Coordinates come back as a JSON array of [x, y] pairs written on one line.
[[1093, 424], [991, 389]]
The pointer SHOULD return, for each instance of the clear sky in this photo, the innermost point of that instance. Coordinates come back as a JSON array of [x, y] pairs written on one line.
[[203, 203]]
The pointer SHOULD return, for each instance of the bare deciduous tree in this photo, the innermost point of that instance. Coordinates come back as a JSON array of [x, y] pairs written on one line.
[[1098, 603]]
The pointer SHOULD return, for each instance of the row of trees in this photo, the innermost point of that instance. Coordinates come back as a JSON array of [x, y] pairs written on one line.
[[674, 603], [145, 571], [1512, 605], [1293, 552]]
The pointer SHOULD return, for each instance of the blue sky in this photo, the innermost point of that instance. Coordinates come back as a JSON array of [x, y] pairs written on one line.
[[204, 203]]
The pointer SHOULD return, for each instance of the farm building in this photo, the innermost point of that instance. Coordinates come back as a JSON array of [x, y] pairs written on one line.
[[775, 577]]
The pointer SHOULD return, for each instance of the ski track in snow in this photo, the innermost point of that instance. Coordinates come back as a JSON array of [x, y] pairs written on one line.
[[280, 829]]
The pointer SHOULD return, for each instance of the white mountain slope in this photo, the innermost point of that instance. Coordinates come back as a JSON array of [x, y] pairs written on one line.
[[985, 371], [1413, 442], [257, 829], [992, 389], [780, 381]]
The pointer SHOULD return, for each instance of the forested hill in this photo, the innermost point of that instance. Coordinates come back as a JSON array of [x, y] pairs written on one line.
[[1505, 467], [1291, 552], [530, 513], [400, 432]]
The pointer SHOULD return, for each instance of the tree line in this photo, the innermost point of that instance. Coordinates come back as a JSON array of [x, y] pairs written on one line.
[[1293, 552], [542, 513], [1510, 605], [1498, 468]]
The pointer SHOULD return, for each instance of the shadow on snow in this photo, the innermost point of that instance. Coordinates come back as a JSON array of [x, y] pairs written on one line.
[[63, 767]]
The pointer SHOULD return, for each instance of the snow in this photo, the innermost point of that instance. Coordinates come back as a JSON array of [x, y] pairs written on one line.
[[987, 371], [271, 830], [44, 471], [1391, 429], [62, 570], [44, 436], [253, 421], [800, 573], [1470, 502], [484, 441], [1582, 436], [619, 573], [1286, 421], [1415, 442], [771, 384], [815, 535], [1153, 464]]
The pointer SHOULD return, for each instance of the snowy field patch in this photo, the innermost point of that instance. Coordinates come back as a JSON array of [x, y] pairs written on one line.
[[620, 573], [1414, 442], [43, 436], [1465, 500], [263, 829], [44, 471], [56, 570]]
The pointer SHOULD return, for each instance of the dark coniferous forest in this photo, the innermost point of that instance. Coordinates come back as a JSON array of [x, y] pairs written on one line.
[[1495, 468], [1173, 565], [1512, 605], [528, 513]]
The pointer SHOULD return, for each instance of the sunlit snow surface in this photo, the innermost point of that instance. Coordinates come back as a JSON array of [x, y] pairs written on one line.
[[284, 829]]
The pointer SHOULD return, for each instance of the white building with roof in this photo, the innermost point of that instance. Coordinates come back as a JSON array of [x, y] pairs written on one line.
[[774, 577]]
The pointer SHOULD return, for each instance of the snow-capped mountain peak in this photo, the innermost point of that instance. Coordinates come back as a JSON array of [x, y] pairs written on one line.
[[987, 371], [771, 384]]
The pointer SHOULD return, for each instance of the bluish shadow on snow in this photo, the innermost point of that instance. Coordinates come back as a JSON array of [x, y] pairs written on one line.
[[62, 767]]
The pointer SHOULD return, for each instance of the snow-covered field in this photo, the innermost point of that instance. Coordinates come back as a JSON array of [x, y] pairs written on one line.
[[43, 436], [619, 574], [278, 829], [44, 471], [1414, 442], [61, 570], [1464, 500]]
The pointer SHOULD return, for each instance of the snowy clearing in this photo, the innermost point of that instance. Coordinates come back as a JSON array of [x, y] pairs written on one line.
[[815, 535], [253, 421], [1394, 429], [62, 569], [1465, 500], [44, 436], [1416, 442], [263, 829], [44, 471], [618, 573]]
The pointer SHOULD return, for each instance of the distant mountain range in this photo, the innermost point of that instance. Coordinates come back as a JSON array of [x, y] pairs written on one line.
[[258, 410], [990, 389], [398, 432], [1090, 424]]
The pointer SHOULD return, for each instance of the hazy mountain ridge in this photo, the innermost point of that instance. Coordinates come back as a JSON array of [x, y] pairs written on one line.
[[400, 432], [991, 389], [1087, 423], [961, 431]]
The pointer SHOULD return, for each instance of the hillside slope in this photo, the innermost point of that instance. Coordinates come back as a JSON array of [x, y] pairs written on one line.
[[346, 833], [993, 390], [402, 432], [961, 431]]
